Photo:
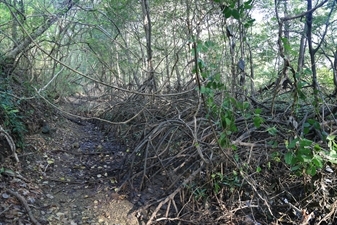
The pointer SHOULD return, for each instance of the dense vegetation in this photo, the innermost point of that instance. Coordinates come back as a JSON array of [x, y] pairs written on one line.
[[233, 103]]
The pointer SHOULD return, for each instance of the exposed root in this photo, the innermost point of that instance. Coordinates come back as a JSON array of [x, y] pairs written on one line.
[[10, 142]]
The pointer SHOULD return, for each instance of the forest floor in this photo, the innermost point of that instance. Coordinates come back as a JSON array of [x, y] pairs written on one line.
[[76, 171], [68, 176]]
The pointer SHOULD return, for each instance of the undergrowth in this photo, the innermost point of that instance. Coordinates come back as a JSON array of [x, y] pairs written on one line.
[[11, 118], [231, 155]]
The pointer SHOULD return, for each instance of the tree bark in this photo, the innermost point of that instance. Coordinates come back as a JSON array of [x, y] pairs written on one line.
[[150, 81], [311, 50]]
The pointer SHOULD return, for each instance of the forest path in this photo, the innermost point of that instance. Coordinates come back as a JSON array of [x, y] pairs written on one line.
[[73, 176]]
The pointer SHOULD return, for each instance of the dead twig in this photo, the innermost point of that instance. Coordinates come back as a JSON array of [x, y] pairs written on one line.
[[171, 196], [6, 209], [10, 142]]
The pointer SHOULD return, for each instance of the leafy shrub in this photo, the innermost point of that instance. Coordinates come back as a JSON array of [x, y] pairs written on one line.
[[10, 117]]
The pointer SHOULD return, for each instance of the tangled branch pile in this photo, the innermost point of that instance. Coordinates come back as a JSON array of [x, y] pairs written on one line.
[[185, 165]]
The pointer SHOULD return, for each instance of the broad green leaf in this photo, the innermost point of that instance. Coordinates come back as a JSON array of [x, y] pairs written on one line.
[[288, 158], [318, 161], [304, 158], [292, 144], [304, 151], [257, 121], [305, 142], [258, 169], [294, 168], [311, 170], [227, 12], [228, 121], [258, 111], [235, 14], [317, 147], [246, 105]]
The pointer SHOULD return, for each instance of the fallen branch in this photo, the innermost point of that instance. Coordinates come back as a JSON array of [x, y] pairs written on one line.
[[25, 204], [171, 196]]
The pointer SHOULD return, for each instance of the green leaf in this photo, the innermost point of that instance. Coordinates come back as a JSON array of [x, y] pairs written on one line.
[[305, 143], [304, 158], [223, 140], [272, 130], [227, 12], [331, 137], [216, 188], [13, 111], [258, 111], [257, 121], [304, 151], [311, 170], [294, 168], [249, 23], [248, 7], [249, 2], [292, 144], [235, 14], [228, 121], [203, 90], [317, 147], [318, 161], [258, 169], [288, 158], [246, 105]]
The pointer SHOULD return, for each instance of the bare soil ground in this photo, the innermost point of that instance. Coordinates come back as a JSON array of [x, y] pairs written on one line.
[[68, 175]]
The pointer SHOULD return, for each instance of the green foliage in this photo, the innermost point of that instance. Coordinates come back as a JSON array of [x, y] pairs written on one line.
[[219, 180], [303, 156], [222, 112], [238, 12], [199, 193], [10, 118], [258, 120], [331, 155]]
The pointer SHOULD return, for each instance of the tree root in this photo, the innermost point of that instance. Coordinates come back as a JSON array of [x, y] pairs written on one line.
[[10, 142]]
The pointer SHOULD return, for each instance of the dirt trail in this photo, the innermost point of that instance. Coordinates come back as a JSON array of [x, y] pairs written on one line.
[[73, 177]]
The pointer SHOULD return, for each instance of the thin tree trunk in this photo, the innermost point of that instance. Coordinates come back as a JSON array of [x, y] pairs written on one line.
[[311, 51], [303, 43], [335, 73], [148, 29]]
